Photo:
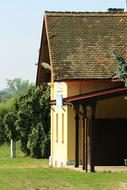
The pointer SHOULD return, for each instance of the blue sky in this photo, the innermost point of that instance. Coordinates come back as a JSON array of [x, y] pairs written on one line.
[[20, 32]]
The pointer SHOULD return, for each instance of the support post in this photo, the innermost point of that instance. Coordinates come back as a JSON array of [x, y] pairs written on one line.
[[90, 132], [77, 139], [84, 141], [92, 164]]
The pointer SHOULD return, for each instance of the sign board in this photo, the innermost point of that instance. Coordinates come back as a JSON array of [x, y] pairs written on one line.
[[59, 87], [59, 95], [59, 100]]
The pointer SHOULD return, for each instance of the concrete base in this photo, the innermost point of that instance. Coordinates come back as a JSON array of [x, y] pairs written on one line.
[[54, 162], [110, 169]]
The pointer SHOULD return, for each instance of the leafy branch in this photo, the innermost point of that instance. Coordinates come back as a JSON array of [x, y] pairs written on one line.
[[121, 71]]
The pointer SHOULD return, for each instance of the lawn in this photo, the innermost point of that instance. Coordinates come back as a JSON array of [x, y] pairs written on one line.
[[34, 174]]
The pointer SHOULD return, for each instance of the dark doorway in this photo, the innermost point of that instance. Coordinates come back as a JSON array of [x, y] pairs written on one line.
[[110, 142]]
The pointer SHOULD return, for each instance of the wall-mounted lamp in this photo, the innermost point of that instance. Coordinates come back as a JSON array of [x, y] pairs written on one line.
[[46, 65]]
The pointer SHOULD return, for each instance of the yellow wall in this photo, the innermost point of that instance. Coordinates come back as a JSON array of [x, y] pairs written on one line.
[[76, 88], [71, 134], [58, 146], [113, 107], [73, 88], [52, 133]]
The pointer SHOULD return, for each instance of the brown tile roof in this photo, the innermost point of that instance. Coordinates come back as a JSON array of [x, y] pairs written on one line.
[[81, 43]]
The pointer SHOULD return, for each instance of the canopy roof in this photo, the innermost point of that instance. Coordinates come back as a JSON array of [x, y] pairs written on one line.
[[94, 96]]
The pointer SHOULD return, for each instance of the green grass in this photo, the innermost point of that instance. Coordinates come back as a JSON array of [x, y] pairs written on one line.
[[5, 151], [31, 174]]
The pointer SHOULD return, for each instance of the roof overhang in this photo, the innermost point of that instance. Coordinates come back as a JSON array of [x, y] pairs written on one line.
[[44, 74]]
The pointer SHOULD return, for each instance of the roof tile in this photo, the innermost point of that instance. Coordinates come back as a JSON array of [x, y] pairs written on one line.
[[81, 43]]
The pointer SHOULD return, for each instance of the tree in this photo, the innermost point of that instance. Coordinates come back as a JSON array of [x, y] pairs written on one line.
[[23, 125], [2, 134], [36, 141], [11, 132], [27, 118], [17, 86], [4, 110], [33, 120], [9, 121], [4, 96], [121, 71]]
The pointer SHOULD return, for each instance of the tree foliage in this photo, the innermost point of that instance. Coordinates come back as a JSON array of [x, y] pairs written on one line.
[[14, 88], [121, 71], [33, 116], [27, 118], [10, 129], [4, 110], [17, 86], [36, 141], [4, 96]]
